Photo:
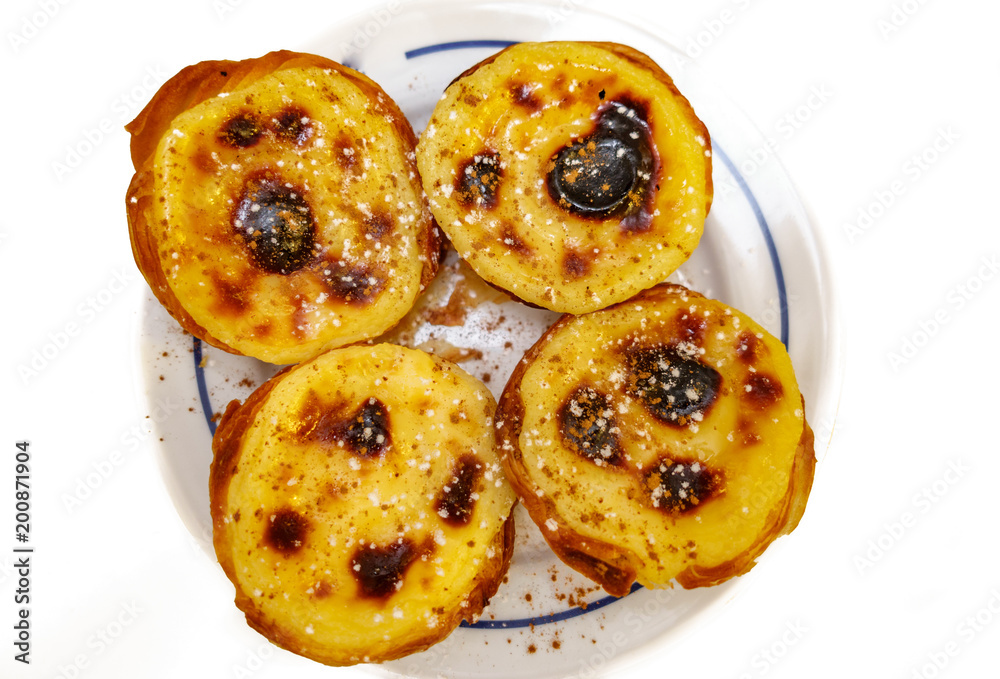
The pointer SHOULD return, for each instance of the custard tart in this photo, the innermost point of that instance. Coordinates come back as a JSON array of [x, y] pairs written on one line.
[[659, 440], [276, 209], [358, 504], [571, 175]]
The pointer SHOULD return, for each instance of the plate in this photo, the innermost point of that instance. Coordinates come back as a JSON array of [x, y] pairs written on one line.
[[759, 253]]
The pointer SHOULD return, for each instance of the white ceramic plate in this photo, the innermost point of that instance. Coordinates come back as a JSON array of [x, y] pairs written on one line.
[[758, 254]]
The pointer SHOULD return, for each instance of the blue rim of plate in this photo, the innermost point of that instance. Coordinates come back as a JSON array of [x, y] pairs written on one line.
[[779, 277]]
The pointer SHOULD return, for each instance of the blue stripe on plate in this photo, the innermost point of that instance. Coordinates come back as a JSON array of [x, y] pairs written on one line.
[[199, 374], [772, 249], [457, 45], [546, 619]]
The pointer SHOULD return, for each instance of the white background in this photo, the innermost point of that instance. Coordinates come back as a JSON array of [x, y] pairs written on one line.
[[893, 124]]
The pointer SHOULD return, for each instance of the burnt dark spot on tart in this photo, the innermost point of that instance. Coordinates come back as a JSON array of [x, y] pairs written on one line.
[[478, 180], [379, 569], [356, 284], [276, 223], [761, 391], [241, 131], [587, 426], [676, 487], [523, 95], [286, 531], [293, 125], [364, 432], [610, 172], [457, 499], [675, 387]]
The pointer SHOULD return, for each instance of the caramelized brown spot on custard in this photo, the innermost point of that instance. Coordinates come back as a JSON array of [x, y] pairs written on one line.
[[747, 346], [674, 386], [478, 180], [293, 125], [241, 131], [575, 265], [232, 297], [761, 391], [457, 499], [345, 154], [379, 569], [610, 173], [378, 225], [746, 428], [512, 241], [286, 531], [524, 96], [322, 589], [356, 284], [588, 427], [202, 160], [690, 328], [276, 223], [677, 487]]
